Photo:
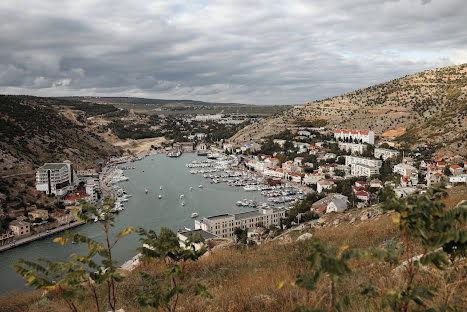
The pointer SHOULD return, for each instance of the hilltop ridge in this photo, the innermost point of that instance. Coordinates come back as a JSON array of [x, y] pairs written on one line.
[[428, 107]]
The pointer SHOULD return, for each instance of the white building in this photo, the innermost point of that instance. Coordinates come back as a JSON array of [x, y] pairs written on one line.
[[185, 235], [458, 179], [404, 169], [92, 189], [385, 153], [355, 135], [224, 225], [361, 170], [322, 185], [352, 147], [275, 173], [56, 178], [331, 203], [208, 117], [312, 178], [350, 160]]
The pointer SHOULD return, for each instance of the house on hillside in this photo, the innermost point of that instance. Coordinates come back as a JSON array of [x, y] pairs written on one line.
[[312, 178], [20, 228], [456, 170], [183, 236], [331, 203], [384, 153], [322, 185]]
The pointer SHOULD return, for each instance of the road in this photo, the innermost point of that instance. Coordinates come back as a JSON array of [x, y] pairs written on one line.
[[18, 174], [37, 236]]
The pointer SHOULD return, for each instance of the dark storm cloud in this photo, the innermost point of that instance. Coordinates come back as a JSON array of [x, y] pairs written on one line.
[[264, 52]]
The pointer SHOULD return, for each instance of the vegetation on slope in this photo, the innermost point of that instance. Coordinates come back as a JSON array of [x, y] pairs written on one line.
[[431, 105], [354, 267]]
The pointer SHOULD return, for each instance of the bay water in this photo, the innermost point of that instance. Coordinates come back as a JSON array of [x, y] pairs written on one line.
[[142, 210]]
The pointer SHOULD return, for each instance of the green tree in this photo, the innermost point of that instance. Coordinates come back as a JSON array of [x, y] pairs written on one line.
[[423, 220], [165, 248], [75, 280], [333, 265]]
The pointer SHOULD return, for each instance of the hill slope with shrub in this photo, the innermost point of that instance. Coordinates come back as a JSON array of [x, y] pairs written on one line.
[[427, 107]]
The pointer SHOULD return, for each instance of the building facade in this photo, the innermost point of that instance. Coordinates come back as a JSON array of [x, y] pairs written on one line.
[[20, 228], [56, 178], [223, 225], [384, 153], [355, 136]]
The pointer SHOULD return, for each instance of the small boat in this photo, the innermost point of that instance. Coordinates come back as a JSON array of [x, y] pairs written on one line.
[[191, 188], [200, 186], [183, 204], [194, 214], [160, 196], [187, 229], [146, 191], [142, 170], [160, 187], [181, 196]]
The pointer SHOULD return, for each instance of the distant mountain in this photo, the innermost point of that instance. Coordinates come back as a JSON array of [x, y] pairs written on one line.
[[136, 100], [35, 130], [429, 107]]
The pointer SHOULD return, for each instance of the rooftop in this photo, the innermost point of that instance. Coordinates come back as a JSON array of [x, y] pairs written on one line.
[[204, 234], [52, 166], [222, 216]]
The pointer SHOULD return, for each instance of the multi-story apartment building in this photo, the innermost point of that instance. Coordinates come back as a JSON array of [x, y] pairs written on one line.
[[224, 225], [352, 147], [361, 170], [355, 135], [404, 169], [56, 178], [385, 153], [350, 160]]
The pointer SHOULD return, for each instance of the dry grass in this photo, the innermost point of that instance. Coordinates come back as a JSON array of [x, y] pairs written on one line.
[[247, 279]]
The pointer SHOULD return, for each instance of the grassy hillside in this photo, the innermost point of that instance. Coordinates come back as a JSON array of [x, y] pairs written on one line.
[[428, 107], [32, 131], [247, 278]]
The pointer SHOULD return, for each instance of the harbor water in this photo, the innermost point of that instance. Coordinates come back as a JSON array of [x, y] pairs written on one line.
[[144, 210]]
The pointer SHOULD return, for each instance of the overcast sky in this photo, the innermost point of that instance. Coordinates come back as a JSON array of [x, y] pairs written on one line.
[[258, 52]]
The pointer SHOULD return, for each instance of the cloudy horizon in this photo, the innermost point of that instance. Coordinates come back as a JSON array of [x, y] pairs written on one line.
[[255, 52]]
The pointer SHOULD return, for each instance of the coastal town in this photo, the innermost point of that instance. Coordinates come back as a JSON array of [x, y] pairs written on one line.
[[330, 170]]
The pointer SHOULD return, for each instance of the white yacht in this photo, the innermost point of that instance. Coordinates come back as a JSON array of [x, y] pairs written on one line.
[[160, 196], [181, 196], [194, 214], [200, 186], [183, 203], [249, 188]]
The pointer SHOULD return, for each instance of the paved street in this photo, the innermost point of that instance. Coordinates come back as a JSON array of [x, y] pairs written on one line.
[[34, 237]]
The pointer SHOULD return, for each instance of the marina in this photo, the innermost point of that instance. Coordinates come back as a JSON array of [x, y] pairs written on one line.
[[168, 177]]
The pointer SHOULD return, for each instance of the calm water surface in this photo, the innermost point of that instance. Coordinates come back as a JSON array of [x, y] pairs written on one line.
[[142, 210]]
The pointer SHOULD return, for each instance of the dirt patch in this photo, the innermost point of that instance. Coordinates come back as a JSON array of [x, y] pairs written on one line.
[[138, 147], [394, 132]]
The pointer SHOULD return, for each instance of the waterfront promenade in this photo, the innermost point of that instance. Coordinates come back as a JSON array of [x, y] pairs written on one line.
[[37, 236]]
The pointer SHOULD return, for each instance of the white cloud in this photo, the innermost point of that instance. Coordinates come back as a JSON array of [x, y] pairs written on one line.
[[262, 52]]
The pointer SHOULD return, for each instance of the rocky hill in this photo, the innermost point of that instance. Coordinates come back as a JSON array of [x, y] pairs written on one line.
[[35, 130], [427, 107]]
